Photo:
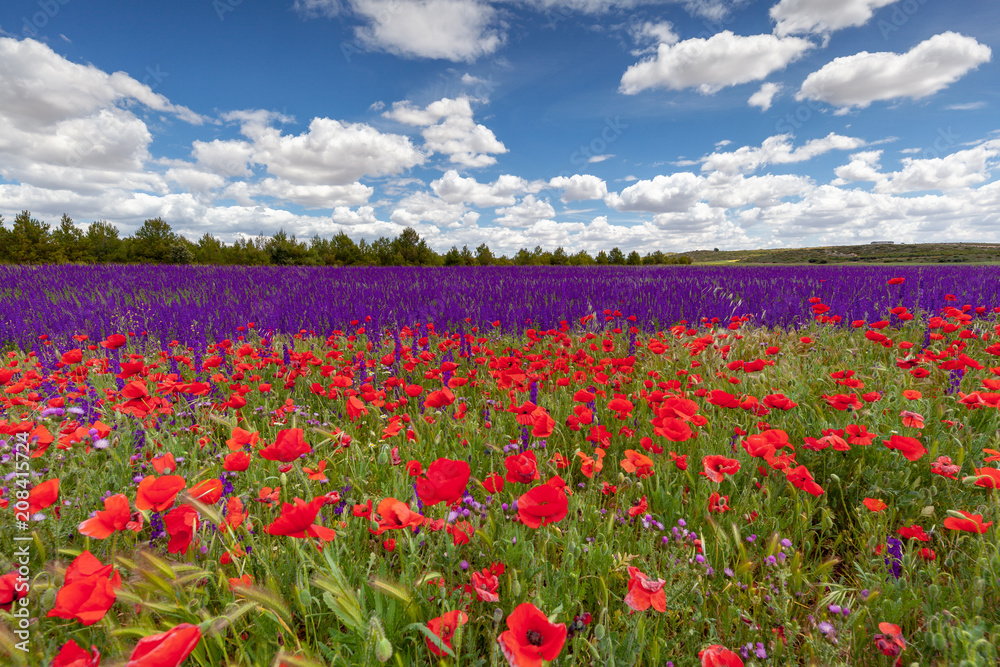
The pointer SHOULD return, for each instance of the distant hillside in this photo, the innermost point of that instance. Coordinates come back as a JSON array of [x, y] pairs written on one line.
[[878, 253]]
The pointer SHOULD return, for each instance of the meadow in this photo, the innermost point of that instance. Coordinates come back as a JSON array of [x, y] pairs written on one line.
[[576, 466]]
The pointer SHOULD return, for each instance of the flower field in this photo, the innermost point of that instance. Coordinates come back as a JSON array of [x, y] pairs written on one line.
[[683, 466]]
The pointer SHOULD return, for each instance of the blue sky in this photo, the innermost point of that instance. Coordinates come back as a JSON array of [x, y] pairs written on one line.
[[585, 124]]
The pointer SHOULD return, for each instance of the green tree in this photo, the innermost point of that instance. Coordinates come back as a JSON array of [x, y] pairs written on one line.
[[468, 259], [559, 257], [633, 259], [523, 258], [103, 243], [581, 259], [453, 257], [602, 259], [209, 250], [286, 251], [616, 256], [152, 242], [413, 250], [345, 251], [70, 242], [484, 256], [29, 241]]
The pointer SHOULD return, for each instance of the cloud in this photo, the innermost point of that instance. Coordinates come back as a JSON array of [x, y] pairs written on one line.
[[671, 193], [776, 150], [967, 106], [330, 152], [724, 59], [859, 80], [762, 98], [449, 129], [456, 30], [961, 169], [455, 189], [822, 16], [580, 187], [525, 213], [864, 166]]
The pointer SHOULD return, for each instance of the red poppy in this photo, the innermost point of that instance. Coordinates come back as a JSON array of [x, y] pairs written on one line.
[[414, 469], [486, 584], [236, 462], [988, 478], [167, 649], [522, 468], [441, 398], [207, 492], [890, 642], [927, 554], [234, 513], [43, 495], [857, 434], [717, 503], [318, 474], [943, 466], [114, 341], [680, 460], [298, 520], [717, 466], [396, 515], [637, 509], [115, 516], [13, 587], [874, 504], [444, 627], [158, 493], [530, 637], [970, 523], [802, 479], [444, 482], [88, 592], [591, 466], [241, 439], [644, 592], [287, 447], [912, 419], [638, 463], [542, 505], [914, 532], [461, 532], [181, 524], [71, 655], [717, 655], [907, 446], [493, 483]]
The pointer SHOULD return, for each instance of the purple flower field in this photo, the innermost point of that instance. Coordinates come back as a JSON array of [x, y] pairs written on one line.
[[199, 304]]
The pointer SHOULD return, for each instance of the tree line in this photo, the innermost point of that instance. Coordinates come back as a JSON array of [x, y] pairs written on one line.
[[31, 241]]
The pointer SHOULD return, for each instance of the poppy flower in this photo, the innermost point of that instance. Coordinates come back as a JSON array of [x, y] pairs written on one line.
[[717, 503], [181, 524], [414, 469], [486, 584], [970, 523], [461, 532], [530, 637], [234, 513], [521, 468], [591, 466], [857, 434], [680, 460], [236, 462], [298, 520], [88, 592], [287, 447], [644, 592], [441, 398], [167, 649], [638, 463], [13, 587], [396, 515], [241, 439], [115, 516], [890, 641], [114, 341], [716, 467], [43, 495], [317, 474], [71, 655], [927, 554], [907, 446], [158, 493], [444, 482], [988, 478], [912, 419], [164, 464], [943, 466], [542, 505], [207, 493], [638, 509], [914, 532], [874, 504], [444, 627], [802, 479], [493, 483], [717, 655]]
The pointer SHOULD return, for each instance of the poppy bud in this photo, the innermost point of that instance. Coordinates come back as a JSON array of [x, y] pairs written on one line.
[[599, 631], [383, 649]]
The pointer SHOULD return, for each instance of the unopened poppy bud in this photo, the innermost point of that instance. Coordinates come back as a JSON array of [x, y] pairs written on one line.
[[284, 479], [305, 599], [383, 649], [383, 457], [599, 631]]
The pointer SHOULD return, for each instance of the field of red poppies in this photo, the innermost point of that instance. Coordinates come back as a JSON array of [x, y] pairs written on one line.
[[591, 494]]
